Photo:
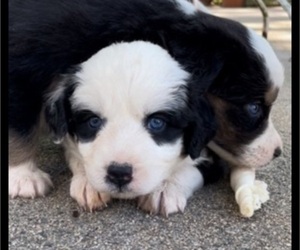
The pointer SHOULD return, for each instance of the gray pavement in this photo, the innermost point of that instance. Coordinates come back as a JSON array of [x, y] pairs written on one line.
[[211, 219]]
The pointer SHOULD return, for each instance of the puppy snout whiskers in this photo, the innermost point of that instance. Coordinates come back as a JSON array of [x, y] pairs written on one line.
[[119, 174], [277, 152]]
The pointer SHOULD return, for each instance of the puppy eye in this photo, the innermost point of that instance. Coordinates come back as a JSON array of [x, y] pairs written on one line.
[[253, 109], [156, 125], [95, 122]]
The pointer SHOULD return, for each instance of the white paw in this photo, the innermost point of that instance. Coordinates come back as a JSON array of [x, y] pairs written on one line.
[[166, 200], [28, 181], [250, 197], [86, 196]]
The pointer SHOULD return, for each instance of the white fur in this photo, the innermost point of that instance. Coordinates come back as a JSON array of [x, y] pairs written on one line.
[[249, 193], [276, 70], [80, 189], [186, 7], [261, 151], [190, 8], [171, 196], [26, 180], [200, 6], [124, 83], [135, 78], [86, 196]]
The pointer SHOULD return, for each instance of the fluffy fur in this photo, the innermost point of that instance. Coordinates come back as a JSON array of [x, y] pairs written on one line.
[[246, 136], [111, 145], [239, 76]]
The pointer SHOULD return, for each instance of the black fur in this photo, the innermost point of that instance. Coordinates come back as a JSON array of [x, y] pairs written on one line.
[[81, 127], [47, 37], [58, 111], [175, 122], [213, 169], [203, 123]]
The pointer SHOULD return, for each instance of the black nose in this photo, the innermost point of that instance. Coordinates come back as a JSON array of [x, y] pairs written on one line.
[[119, 174], [277, 152]]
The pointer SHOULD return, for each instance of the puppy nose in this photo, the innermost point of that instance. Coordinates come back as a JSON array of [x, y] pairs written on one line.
[[119, 174], [277, 152]]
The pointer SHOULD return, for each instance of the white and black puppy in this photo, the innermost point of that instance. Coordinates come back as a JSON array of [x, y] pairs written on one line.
[[246, 135], [129, 124], [235, 68]]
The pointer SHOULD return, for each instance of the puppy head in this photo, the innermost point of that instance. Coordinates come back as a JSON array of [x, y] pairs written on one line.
[[128, 114], [242, 103]]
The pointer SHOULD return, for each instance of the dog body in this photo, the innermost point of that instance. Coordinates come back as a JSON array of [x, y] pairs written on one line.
[[235, 69]]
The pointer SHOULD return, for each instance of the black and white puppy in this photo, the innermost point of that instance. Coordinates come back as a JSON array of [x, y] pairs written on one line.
[[237, 69], [246, 136], [128, 123]]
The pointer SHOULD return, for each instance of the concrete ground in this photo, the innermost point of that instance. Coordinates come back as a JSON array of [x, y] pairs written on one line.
[[211, 219]]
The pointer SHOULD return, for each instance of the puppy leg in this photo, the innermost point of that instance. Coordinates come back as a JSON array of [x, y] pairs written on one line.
[[85, 195], [80, 190], [25, 179], [249, 193], [172, 195]]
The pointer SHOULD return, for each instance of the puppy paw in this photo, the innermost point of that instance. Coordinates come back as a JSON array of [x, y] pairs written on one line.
[[86, 196], [250, 197], [28, 181], [166, 200]]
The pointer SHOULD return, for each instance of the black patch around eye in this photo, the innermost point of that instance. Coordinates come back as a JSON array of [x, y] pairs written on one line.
[[85, 125], [171, 130], [156, 125], [253, 109], [249, 120]]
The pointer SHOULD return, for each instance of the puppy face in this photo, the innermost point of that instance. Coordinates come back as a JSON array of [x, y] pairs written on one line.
[[246, 135], [249, 77], [129, 118]]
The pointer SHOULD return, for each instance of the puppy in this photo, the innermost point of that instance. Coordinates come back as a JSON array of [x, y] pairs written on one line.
[[232, 66], [246, 136], [128, 124], [131, 128]]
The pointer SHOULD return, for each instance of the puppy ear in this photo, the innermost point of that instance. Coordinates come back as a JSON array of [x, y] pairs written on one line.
[[203, 125], [56, 113], [56, 119], [201, 129]]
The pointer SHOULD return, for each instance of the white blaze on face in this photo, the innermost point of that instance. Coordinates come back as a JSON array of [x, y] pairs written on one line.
[[124, 83], [138, 77]]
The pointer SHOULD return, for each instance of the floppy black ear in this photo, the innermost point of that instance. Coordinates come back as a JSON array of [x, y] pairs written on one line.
[[201, 129], [203, 125], [56, 115], [57, 105], [56, 119]]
